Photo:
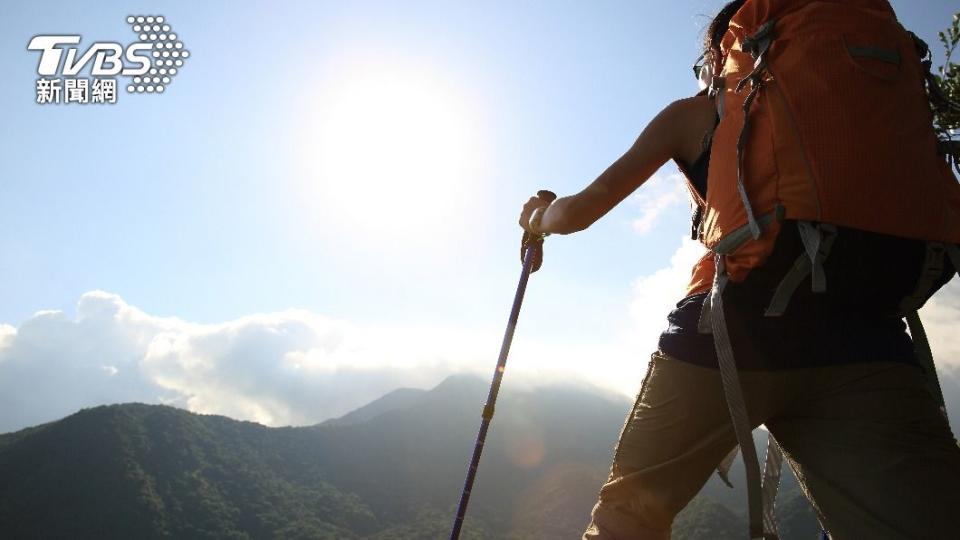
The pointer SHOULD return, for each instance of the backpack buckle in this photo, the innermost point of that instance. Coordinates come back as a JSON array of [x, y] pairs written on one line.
[[757, 43]]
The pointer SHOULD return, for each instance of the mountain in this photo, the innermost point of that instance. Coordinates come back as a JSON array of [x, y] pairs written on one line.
[[400, 398], [390, 470]]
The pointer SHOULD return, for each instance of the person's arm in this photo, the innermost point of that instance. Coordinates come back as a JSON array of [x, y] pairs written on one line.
[[674, 133]]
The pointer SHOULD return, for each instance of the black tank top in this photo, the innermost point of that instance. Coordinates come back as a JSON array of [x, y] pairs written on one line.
[[855, 320], [697, 174]]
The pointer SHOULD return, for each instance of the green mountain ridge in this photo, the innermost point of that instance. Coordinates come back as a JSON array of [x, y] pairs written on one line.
[[391, 469]]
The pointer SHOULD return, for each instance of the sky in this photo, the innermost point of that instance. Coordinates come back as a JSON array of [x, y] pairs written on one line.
[[322, 204]]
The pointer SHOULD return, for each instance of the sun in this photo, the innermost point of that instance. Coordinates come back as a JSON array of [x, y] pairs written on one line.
[[394, 152]]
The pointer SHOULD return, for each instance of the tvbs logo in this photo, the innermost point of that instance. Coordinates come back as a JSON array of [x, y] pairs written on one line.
[[107, 57], [150, 63]]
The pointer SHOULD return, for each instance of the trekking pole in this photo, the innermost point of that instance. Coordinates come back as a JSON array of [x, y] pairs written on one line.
[[531, 249]]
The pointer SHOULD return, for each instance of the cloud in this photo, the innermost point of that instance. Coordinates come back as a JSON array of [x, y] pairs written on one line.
[[291, 367], [297, 367], [941, 317], [7, 334], [620, 364], [655, 295], [659, 194]]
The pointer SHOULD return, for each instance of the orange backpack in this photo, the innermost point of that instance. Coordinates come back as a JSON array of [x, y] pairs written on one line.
[[824, 118]]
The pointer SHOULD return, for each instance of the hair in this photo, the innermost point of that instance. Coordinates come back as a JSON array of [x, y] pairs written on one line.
[[718, 28]]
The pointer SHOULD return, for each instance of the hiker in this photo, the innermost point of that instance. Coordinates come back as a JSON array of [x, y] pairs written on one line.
[[826, 227]]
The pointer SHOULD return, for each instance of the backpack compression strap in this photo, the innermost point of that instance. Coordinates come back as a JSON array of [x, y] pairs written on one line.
[[773, 464], [757, 45], [733, 392], [817, 241], [760, 498]]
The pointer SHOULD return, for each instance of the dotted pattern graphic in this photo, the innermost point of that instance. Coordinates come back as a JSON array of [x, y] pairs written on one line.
[[168, 54]]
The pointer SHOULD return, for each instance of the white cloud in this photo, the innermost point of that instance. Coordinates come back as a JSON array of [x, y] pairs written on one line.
[[297, 367], [941, 319], [655, 295], [7, 333], [620, 364], [659, 194], [292, 367]]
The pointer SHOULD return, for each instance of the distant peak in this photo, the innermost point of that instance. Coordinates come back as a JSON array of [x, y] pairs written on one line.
[[461, 380]]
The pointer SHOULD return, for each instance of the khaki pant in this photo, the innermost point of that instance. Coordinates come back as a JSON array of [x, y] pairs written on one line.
[[867, 441]]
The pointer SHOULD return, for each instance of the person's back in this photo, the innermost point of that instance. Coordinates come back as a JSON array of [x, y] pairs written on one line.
[[830, 370]]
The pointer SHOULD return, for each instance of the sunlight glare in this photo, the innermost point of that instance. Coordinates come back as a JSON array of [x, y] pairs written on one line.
[[395, 153]]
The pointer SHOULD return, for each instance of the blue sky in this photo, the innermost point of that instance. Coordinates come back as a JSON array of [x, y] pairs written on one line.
[[211, 202]]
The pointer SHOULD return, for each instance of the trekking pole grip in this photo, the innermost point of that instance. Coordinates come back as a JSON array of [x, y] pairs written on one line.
[[531, 244]]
